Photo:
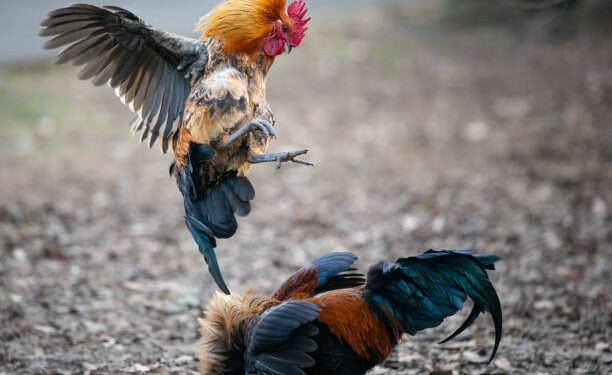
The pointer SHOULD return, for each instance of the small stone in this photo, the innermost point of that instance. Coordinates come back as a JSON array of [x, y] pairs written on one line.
[[138, 368], [94, 327], [47, 330], [184, 359], [20, 255], [449, 367], [602, 346], [437, 225], [409, 223], [108, 341], [544, 304], [474, 357], [599, 208], [503, 363]]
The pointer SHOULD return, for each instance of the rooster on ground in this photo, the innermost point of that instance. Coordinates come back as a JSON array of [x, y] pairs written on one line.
[[204, 99], [327, 319]]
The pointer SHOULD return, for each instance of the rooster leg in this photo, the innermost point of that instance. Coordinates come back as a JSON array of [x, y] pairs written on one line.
[[280, 157], [260, 124]]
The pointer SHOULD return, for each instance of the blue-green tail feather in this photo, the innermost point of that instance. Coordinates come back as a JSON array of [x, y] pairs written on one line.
[[210, 210], [419, 292], [201, 233], [206, 245]]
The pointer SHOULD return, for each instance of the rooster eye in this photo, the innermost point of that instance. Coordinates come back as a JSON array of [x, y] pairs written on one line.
[[285, 28]]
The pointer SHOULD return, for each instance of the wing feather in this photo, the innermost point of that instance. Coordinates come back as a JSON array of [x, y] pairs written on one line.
[[327, 272], [149, 69], [281, 338], [84, 50]]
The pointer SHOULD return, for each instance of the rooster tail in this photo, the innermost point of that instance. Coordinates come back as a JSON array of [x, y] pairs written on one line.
[[215, 206], [220, 206], [206, 245], [211, 214], [419, 292]]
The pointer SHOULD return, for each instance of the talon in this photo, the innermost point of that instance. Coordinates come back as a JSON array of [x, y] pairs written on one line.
[[261, 124], [267, 128], [280, 157], [304, 162]]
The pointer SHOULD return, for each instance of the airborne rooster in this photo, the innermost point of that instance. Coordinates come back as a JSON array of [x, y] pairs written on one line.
[[326, 320], [204, 99]]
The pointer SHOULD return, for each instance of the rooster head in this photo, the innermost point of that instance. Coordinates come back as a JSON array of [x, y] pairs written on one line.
[[287, 32], [248, 26]]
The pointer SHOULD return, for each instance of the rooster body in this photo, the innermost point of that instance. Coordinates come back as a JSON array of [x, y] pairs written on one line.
[[203, 99], [326, 319]]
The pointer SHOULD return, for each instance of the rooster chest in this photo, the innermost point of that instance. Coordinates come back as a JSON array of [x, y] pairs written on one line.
[[224, 101]]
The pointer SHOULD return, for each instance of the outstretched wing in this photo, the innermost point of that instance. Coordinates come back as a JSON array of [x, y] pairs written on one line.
[[328, 272], [421, 291], [148, 68], [280, 340]]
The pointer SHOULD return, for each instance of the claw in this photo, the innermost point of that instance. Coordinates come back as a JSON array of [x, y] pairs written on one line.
[[267, 128], [261, 124], [301, 161], [280, 157], [264, 126]]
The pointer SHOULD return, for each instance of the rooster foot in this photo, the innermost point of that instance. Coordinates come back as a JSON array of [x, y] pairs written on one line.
[[280, 157], [260, 124]]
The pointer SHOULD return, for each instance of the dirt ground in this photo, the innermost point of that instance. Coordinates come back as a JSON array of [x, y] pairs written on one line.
[[425, 134]]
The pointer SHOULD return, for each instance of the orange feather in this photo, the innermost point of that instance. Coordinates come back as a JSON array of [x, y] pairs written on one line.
[[300, 285], [243, 25], [351, 320]]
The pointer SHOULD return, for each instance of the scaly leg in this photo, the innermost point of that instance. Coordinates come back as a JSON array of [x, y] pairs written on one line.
[[260, 124], [280, 157]]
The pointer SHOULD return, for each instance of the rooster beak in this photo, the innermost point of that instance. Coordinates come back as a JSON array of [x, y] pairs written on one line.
[[288, 47]]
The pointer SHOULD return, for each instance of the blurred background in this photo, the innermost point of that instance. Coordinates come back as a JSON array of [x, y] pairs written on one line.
[[432, 124]]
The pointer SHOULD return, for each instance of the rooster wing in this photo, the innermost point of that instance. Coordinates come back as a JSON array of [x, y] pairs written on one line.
[[151, 70]]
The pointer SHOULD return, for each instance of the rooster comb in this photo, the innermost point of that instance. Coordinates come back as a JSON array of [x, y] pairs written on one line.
[[296, 11]]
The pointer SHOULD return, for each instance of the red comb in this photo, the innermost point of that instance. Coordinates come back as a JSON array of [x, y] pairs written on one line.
[[297, 11]]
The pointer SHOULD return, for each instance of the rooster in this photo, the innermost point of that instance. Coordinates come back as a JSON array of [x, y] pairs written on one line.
[[328, 319], [203, 99]]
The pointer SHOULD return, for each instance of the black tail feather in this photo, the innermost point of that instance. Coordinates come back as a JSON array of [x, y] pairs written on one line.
[[215, 206], [210, 211], [468, 322], [218, 209]]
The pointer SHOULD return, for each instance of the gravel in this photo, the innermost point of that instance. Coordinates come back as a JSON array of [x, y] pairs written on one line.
[[424, 135]]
